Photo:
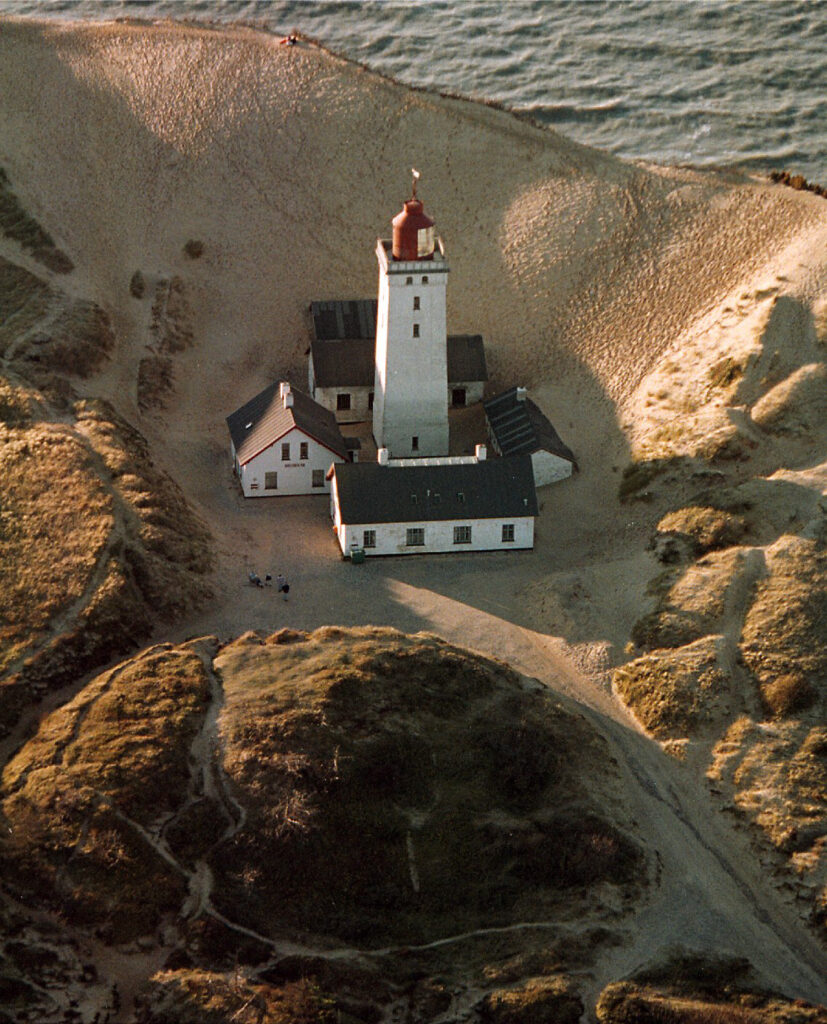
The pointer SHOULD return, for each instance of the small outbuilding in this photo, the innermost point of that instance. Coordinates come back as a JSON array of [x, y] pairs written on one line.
[[517, 426], [341, 369], [415, 507], [282, 442]]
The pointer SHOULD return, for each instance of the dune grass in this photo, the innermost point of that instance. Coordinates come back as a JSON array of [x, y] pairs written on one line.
[[116, 754], [399, 788]]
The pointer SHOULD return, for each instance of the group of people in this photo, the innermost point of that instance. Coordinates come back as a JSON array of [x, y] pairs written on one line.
[[281, 582]]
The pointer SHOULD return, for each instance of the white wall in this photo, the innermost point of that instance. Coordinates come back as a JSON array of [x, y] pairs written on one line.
[[473, 390], [359, 411], [295, 475], [411, 373], [548, 468], [486, 535]]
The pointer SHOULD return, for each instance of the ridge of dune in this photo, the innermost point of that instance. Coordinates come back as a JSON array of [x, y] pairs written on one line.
[[288, 161]]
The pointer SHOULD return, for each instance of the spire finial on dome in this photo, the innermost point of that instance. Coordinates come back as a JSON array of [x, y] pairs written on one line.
[[415, 174]]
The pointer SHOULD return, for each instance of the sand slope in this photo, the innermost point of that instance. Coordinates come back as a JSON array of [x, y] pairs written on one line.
[[287, 163]]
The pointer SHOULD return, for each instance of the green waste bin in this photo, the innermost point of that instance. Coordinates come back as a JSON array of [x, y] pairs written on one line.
[[357, 555]]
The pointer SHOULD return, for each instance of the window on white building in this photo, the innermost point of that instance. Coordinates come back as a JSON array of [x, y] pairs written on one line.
[[271, 482], [415, 536], [285, 451], [342, 402], [369, 539], [425, 279], [303, 449], [416, 302], [408, 280], [416, 330], [415, 443], [508, 532], [318, 478], [462, 534]]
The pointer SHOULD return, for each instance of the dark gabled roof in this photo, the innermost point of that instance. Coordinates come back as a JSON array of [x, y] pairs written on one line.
[[345, 362], [520, 428], [466, 358], [344, 318], [493, 489], [264, 419]]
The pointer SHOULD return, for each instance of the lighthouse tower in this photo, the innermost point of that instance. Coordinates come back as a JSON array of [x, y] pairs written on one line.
[[410, 405]]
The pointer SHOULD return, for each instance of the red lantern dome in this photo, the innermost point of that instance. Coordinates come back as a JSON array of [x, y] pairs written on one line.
[[413, 232]]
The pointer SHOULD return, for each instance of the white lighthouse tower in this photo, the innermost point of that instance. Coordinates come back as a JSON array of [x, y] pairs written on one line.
[[410, 406]]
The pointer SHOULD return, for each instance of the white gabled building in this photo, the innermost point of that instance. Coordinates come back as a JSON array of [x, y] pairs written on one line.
[[430, 505], [517, 426], [282, 442]]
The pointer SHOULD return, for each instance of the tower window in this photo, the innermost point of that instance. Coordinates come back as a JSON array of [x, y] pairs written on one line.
[[425, 279], [416, 330], [416, 302], [415, 443], [408, 280]]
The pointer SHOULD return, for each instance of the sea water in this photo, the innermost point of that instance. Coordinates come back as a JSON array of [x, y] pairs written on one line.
[[698, 83]]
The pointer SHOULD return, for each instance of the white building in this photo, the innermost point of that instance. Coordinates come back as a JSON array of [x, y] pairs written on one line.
[[282, 442], [410, 405], [433, 506], [341, 366], [517, 426]]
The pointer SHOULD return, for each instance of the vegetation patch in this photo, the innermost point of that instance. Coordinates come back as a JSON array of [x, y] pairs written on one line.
[[786, 624], [24, 300], [700, 989], [211, 997], [399, 789], [638, 475], [534, 1002], [77, 341], [94, 542], [707, 528], [99, 774], [51, 536], [19, 225], [677, 693], [691, 602]]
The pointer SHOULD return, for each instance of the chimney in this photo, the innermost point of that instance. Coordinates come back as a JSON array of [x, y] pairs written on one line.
[[382, 456], [284, 387], [521, 393], [480, 452], [288, 399]]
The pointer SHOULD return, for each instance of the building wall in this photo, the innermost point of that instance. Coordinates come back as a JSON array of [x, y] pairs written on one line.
[[359, 412], [411, 372], [486, 535], [548, 468], [294, 475], [473, 390]]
